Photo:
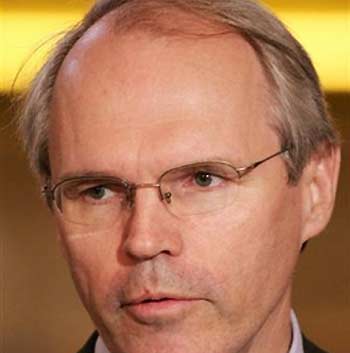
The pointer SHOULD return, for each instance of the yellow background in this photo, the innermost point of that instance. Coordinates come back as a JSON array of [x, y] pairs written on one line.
[[323, 27]]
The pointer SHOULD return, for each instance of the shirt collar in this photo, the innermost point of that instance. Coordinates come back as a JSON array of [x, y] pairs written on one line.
[[100, 346], [296, 347], [297, 340]]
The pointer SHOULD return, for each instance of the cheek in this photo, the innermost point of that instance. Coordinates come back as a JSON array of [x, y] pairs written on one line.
[[92, 259], [252, 249]]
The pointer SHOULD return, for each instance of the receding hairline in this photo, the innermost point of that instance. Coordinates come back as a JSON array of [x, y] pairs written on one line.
[[168, 20], [164, 17], [174, 24], [104, 31]]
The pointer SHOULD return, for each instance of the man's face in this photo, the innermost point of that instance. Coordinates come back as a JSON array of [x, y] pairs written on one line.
[[134, 106]]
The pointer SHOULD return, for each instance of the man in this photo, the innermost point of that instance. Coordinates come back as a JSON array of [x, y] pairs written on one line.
[[186, 153]]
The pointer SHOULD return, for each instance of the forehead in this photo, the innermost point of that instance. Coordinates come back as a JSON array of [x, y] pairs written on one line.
[[140, 86]]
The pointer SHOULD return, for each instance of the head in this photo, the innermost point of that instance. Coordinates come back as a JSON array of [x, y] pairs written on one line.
[[141, 87]]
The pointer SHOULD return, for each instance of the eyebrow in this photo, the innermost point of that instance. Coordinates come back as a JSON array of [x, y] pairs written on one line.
[[112, 174], [87, 173]]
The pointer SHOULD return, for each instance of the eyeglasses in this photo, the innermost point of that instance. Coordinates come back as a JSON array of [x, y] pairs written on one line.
[[191, 189]]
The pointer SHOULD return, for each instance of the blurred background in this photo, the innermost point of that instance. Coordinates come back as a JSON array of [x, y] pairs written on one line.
[[39, 309]]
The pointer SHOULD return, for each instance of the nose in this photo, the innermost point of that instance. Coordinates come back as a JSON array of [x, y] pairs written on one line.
[[151, 230]]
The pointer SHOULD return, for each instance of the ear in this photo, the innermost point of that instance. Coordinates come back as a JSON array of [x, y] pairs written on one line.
[[319, 184]]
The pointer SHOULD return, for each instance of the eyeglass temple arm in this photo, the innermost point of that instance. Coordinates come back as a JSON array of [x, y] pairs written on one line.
[[47, 193], [245, 170]]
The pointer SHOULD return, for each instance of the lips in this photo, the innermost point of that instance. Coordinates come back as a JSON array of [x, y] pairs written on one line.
[[159, 308], [154, 298]]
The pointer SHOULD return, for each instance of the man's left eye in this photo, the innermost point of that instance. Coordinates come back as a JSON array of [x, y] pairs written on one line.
[[205, 179]]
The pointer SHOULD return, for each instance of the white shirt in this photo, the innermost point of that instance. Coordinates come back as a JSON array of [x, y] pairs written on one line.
[[296, 347], [297, 341]]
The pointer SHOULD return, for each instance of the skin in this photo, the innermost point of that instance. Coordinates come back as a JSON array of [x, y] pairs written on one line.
[[135, 105]]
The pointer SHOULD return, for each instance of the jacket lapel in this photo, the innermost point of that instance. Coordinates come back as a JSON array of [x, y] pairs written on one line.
[[89, 346], [309, 347]]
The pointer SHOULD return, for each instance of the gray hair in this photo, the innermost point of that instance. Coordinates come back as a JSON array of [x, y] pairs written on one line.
[[301, 117]]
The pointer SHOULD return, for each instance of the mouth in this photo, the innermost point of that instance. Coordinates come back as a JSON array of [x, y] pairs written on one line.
[[156, 302], [146, 301], [154, 298], [158, 308]]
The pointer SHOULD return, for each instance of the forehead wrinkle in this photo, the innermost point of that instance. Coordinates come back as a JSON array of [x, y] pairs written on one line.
[[141, 125]]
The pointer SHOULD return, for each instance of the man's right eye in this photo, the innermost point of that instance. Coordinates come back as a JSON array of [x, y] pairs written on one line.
[[99, 192], [95, 193]]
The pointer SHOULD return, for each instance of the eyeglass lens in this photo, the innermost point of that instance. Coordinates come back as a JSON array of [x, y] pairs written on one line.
[[189, 190]]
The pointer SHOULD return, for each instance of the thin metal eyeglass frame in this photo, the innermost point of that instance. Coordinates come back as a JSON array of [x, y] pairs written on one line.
[[131, 188]]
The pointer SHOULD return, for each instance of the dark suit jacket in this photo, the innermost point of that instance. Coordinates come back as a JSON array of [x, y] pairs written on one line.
[[90, 345]]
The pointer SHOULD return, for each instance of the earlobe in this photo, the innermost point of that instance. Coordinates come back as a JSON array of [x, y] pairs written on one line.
[[319, 183]]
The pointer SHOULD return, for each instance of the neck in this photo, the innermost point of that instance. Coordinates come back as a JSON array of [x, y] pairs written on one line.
[[275, 335]]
